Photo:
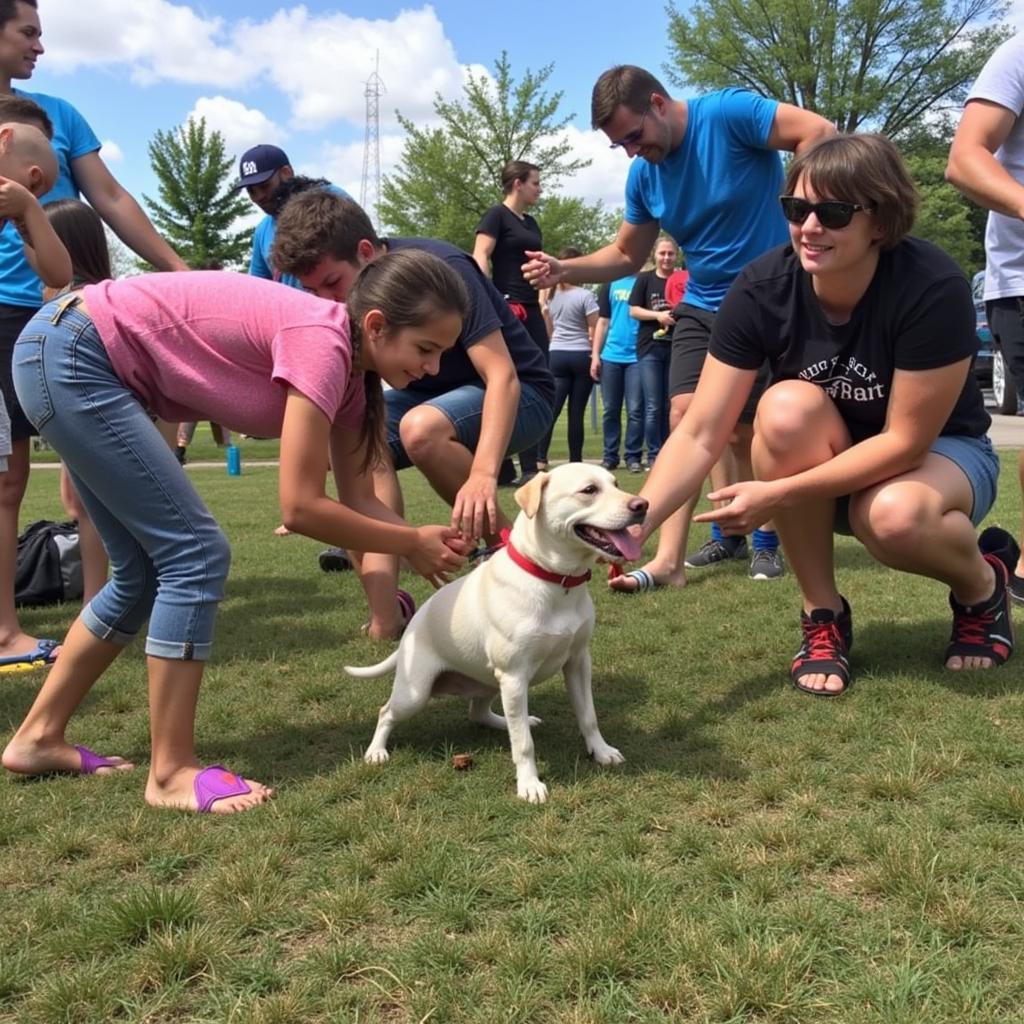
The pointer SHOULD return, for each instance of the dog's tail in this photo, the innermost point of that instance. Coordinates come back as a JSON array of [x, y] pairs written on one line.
[[372, 671]]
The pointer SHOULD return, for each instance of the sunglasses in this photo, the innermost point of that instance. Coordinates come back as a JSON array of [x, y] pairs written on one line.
[[633, 137], [831, 213]]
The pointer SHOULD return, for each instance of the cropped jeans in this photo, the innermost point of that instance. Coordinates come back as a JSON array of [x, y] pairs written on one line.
[[168, 557]]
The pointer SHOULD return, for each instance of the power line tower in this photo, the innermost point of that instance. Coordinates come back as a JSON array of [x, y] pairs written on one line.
[[369, 194]]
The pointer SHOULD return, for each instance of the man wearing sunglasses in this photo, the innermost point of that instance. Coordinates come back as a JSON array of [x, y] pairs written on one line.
[[986, 162], [707, 172]]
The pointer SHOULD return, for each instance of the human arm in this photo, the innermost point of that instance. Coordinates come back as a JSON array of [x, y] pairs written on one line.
[[794, 129], [597, 341], [43, 249], [920, 403], [663, 316], [973, 167], [358, 519], [483, 247], [475, 509], [119, 209], [624, 256]]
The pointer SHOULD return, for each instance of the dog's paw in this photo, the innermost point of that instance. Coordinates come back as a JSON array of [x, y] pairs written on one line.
[[376, 755], [607, 755], [532, 790]]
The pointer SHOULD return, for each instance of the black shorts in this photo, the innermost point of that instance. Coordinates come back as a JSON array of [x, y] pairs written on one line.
[[12, 321], [690, 339], [1006, 318]]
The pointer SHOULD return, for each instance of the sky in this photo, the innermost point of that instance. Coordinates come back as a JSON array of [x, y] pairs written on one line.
[[294, 74]]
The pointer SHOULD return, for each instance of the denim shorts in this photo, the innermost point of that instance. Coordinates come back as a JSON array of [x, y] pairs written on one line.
[[464, 407], [168, 557], [977, 460]]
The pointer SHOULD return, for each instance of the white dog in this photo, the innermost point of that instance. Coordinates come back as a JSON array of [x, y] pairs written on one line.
[[518, 618]]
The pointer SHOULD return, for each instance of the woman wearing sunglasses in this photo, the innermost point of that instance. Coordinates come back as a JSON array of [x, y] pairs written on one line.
[[874, 424]]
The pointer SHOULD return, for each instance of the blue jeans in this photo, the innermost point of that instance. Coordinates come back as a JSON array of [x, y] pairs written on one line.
[[168, 557], [464, 408], [622, 381], [654, 373]]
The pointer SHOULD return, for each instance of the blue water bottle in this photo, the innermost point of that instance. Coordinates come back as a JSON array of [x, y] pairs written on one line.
[[234, 457]]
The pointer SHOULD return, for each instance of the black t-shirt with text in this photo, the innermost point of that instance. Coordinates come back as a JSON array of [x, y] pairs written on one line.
[[512, 237], [649, 292], [488, 312], [917, 314]]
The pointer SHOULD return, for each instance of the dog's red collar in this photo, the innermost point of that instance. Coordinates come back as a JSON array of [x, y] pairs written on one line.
[[536, 570]]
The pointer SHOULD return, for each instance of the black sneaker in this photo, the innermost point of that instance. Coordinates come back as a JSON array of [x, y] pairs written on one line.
[[715, 551], [999, 542], [767, 564], [828, 638], [984, 631], [635, 467], [609, 465], [334, 560]]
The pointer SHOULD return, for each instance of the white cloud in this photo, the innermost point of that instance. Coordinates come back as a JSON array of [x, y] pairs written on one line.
[[158, 40], [111, 152], [320, 62], [605, 178], [240, 125], [343, 164]]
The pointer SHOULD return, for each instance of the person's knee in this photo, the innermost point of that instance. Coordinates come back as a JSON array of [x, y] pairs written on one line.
[[423, 431], [787, 411], [892, 518], [677, 409]]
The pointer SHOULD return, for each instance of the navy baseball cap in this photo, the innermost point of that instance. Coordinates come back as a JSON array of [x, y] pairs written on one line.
[[258, 164]]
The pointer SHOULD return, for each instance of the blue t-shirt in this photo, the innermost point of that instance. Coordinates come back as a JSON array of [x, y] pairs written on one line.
[[263, 241], [717, 193], [613, 304], [72, 138]]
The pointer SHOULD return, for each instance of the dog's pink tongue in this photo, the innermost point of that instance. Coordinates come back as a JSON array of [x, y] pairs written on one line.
[[628, 545]]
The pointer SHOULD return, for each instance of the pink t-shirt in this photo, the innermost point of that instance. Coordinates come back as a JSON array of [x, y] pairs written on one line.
[[226, 347]]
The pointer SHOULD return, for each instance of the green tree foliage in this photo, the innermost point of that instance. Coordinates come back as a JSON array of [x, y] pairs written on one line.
[[197, 207], [946, 216], [450, 174], [878, 65]]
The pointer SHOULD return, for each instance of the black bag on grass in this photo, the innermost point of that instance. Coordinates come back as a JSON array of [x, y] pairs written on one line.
[[49, 564]]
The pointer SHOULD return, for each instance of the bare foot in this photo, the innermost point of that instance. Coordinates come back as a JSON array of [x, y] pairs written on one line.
[[624, 583], [27, 758], [821, 683], [177, 792], [282, 531]]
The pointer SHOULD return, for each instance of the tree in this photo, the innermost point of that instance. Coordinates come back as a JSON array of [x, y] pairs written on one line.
[[881, 65], [197, 206], [449, 175]]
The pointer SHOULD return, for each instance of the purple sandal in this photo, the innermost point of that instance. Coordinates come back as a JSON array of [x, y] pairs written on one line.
[[217, 783], [91, 761]]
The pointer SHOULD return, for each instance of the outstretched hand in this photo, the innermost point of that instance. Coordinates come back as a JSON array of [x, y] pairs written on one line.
[[475, 510], [749, 506], [542, 270]]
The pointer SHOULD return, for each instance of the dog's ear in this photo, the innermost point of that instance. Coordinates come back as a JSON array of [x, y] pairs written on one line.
[[528, 496]]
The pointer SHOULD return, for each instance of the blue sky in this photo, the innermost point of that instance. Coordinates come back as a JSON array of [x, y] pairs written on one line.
[[293, 74]]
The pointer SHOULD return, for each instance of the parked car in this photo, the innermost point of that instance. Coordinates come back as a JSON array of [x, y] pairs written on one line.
[[989, 365]]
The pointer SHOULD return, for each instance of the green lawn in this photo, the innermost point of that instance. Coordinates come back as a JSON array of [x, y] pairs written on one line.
[[761, 856]]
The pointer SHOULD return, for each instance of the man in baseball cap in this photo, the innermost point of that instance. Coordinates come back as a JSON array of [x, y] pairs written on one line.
[[261, 171]]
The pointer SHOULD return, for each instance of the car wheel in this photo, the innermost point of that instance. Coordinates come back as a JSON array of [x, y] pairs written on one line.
[[1004, 388]]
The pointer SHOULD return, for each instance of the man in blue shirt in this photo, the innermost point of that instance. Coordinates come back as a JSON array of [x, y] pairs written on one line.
[[708, 172]]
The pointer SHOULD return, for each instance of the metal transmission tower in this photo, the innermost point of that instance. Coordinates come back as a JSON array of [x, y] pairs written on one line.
[[369, 194]]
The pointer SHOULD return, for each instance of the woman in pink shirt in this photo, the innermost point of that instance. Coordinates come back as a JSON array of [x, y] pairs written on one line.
[[93, 366]]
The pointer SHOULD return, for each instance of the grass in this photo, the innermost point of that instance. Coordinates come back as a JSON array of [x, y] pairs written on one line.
[[761, 857]]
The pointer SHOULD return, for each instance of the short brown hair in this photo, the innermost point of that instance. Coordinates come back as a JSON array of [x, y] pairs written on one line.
[[513, 171], [22, 110], [315, 224], [865, 169], [624, 85], [9, 8]]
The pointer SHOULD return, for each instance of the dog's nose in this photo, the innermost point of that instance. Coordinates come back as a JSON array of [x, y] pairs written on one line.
[[638, 505]]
